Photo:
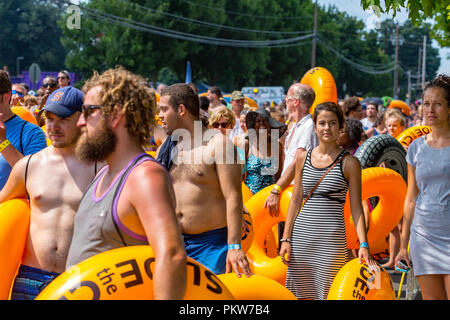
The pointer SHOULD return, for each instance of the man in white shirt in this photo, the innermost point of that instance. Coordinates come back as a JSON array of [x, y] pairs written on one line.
[[237, 103], [372, 112], [301, 136]]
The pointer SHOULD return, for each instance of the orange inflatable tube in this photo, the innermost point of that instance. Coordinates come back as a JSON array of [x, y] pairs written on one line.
[[399, 104], [248, 233], [390, 187], [255, 287], [323, 84], [126, 274], [355, 282], [24, 113], [14, 224], [411, 134], [260, 263]]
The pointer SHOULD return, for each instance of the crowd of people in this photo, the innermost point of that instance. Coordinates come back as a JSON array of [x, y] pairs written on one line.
[[90, 189]]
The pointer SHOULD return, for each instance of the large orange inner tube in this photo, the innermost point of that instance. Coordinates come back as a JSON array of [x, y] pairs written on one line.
[[390, 187], [126, 274], [409, 135], [323, 84], [399, 104]]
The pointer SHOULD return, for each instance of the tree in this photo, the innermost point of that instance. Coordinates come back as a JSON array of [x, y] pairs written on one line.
[[28, 30], [419, 11]]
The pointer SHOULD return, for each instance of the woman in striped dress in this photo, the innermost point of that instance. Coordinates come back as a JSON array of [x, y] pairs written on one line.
[[314, 241]]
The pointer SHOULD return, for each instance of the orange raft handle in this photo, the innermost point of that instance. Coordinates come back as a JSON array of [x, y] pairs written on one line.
[[323, 84]]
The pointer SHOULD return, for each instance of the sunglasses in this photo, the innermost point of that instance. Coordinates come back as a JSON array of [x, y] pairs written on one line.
[[61, 78], [87, 110], [51, 85], [20, 94], [223, 125]]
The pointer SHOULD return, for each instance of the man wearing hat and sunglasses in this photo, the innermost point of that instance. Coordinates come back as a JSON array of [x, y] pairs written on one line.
[[54, 180], [237, 103]]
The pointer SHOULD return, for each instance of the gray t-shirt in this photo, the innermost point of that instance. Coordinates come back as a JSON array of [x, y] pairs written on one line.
[[432, 176]]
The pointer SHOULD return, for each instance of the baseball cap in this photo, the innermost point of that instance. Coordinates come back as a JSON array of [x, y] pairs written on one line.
[[237, 95], [64, 101]]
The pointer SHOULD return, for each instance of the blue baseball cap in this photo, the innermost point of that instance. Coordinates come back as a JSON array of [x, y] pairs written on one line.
[[64, 102]]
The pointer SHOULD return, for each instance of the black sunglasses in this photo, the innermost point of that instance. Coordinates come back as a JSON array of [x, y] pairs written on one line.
[[52, 85], [62, 77], [87, 110], [223, 125]]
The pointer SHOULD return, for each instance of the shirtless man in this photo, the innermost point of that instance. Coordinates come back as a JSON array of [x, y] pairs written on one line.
[[131, 201], [208, 190], [54, 179]]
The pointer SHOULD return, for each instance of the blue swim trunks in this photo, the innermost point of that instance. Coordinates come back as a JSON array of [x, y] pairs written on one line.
[[30, 282], [209, 248]]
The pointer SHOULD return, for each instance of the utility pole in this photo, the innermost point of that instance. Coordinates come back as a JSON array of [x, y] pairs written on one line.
[[408, 96], [424, 57], [314, 39], [419, 67], [396, 64]]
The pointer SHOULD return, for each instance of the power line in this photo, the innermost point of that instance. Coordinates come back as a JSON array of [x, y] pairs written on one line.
[[354, 64], [210, 24], [96, 14]]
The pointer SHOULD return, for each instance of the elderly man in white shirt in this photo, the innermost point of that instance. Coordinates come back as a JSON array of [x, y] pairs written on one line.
[[301, 136], [237, 102]]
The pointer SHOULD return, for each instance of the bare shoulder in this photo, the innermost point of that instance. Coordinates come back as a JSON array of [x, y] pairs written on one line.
[[149, 174], [351, 166]]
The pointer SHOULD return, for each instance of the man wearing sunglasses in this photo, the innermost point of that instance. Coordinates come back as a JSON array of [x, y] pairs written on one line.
[[18, 137], [18, 95], [131, 201], [49, 84], [63, 78], [54, 179]]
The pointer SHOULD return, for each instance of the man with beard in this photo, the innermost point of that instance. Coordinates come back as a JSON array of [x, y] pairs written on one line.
[[207, 187], [131, 201], [54, 180]]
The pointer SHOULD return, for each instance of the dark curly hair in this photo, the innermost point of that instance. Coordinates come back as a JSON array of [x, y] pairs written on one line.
[[442, 81], [354, 131]]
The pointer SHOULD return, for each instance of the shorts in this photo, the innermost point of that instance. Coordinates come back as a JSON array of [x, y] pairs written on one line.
[[30, 282], [209, 248]]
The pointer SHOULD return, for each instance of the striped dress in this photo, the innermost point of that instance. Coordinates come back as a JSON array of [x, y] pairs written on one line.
[[319, 246]]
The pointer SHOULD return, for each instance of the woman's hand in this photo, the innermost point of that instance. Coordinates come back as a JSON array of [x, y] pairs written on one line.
[[371, 263], [272, 204], [285, 252], [402, 255]]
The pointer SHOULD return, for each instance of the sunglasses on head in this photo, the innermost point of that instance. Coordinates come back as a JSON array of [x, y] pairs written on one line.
[[20, 94], [51, 85], [223, 125], [87, 110]]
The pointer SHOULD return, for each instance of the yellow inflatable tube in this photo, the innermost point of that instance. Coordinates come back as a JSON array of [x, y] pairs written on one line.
[[323, 84], [409, 135], [126, 274], [390, 187], [355, 282], [14, 224], [255, 287]]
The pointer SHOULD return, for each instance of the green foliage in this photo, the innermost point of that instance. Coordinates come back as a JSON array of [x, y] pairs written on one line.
[[419, 11], [28, 28]]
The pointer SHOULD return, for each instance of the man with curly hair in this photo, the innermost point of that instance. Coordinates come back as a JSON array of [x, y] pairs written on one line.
[[131, 201]]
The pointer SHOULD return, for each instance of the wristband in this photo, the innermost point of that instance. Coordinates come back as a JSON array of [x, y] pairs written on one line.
[[4, 144], [277, 187], [234, 246], [286, 240], [364, 245]]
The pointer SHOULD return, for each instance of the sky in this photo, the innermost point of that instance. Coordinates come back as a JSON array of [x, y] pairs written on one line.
[[354, 8]]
